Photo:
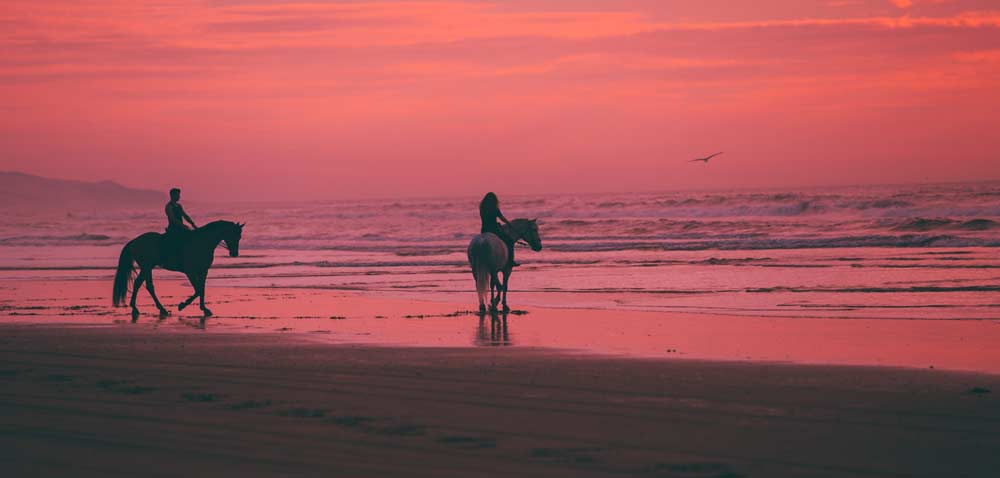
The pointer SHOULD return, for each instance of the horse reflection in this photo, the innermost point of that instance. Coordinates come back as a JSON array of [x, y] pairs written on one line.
[[198, 323], [496, 335]]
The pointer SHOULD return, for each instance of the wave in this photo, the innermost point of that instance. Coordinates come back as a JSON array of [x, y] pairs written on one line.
[[919, 233], [920, 224], [879, 290], [43, 240], [979, 225], [633, 239], [904, 241], [950, 201], [897, 216]]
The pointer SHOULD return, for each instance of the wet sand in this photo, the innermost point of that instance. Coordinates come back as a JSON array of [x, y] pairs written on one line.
[[340, 317], [304, 383]]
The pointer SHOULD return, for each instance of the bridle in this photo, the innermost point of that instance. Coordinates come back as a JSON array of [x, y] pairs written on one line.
[[521, 240]]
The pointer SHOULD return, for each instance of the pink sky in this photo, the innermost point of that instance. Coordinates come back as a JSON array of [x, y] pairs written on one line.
[[298, 100]]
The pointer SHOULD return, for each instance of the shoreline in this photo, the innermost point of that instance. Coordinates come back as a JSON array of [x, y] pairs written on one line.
[[344, 317]]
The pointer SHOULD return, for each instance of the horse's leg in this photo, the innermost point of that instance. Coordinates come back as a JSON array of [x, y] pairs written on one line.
[[506, 280], [201, 293], [139, 279], [480, 289], [152, 292], [495, 285], [194, 284]]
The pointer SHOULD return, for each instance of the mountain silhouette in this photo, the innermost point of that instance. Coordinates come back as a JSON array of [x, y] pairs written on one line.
[[21, 191]]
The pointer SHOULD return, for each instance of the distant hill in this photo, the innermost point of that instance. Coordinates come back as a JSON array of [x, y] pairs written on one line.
[[20, 191]]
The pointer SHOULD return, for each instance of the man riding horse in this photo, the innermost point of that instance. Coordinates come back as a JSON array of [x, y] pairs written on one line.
[[180, 249], [177, 231]]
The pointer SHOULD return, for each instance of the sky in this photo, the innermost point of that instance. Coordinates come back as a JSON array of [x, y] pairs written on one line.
[[296, 100]]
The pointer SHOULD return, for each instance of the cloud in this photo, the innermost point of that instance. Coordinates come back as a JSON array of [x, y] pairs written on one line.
[[981, 56], [903, 4]]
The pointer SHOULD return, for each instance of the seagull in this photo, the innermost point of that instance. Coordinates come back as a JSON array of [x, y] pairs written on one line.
[[705, 160]]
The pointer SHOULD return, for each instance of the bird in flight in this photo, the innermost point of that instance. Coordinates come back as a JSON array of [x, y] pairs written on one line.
[[704, 160]]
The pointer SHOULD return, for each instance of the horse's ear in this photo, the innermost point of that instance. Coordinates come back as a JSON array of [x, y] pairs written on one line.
[[534, 221]]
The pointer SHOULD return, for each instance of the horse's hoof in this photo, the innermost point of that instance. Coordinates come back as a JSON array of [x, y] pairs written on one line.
[[135, 315], [164, 313], [505, 308], [208, 313], [181, 306]]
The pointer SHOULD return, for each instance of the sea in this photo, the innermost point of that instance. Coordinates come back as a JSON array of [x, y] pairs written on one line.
[[917, 252]]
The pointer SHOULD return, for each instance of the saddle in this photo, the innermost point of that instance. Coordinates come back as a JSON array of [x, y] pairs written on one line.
[[174, 240]]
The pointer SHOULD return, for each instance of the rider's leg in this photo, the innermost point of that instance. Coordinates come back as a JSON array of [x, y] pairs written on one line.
[[510, 245], [510, 252]]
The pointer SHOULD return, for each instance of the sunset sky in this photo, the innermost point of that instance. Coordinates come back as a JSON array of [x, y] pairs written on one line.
[[273, 99]]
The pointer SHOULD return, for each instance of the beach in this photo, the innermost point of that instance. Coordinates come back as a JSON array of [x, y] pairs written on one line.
[[305, 382], [743, 239], [846, 332]]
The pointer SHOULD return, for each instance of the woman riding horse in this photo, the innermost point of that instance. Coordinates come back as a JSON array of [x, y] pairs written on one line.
[[489, 213], [491, 253]]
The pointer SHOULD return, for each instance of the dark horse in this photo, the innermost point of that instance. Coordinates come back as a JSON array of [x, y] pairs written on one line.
[[196, 257]]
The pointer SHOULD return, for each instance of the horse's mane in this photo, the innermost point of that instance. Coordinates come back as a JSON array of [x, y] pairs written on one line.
[[522, 224], [218, 223], [214, 227]]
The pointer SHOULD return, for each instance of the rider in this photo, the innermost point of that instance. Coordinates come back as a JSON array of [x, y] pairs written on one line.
[[489, 212], [177, 231]]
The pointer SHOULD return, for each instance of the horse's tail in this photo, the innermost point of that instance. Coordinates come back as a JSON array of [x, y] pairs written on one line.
[[482, 275], [480, 270], [123, 276]]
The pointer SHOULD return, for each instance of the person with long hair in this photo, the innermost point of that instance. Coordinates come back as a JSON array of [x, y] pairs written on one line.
[[489, 213]]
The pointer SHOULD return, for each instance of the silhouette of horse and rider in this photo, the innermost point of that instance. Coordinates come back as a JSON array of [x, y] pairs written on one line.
[[192, 251], [180, 249], [491, 253]]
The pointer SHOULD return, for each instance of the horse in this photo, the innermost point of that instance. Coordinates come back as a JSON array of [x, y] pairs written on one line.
[[195, 257], [488, 257]]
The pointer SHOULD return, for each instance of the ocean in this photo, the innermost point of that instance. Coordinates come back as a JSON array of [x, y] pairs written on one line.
[[924, 252]]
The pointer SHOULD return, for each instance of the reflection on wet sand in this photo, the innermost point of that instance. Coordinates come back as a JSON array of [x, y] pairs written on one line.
[[198, 323], [347, 318], [497, 335]]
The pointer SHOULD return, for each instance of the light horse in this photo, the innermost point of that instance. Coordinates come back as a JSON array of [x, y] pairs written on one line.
[[488, 257], [195, 257]]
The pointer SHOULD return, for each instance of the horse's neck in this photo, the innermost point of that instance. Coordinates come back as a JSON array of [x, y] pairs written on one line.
[[512, 232], [213, 232]]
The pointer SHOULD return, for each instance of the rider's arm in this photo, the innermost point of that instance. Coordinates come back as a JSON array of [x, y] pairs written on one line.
[[188, 218]]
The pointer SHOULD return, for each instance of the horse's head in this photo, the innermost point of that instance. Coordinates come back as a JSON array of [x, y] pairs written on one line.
[[232, 236], [526, 230]]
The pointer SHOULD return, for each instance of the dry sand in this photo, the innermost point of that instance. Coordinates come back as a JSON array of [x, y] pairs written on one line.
[[89, 394]]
